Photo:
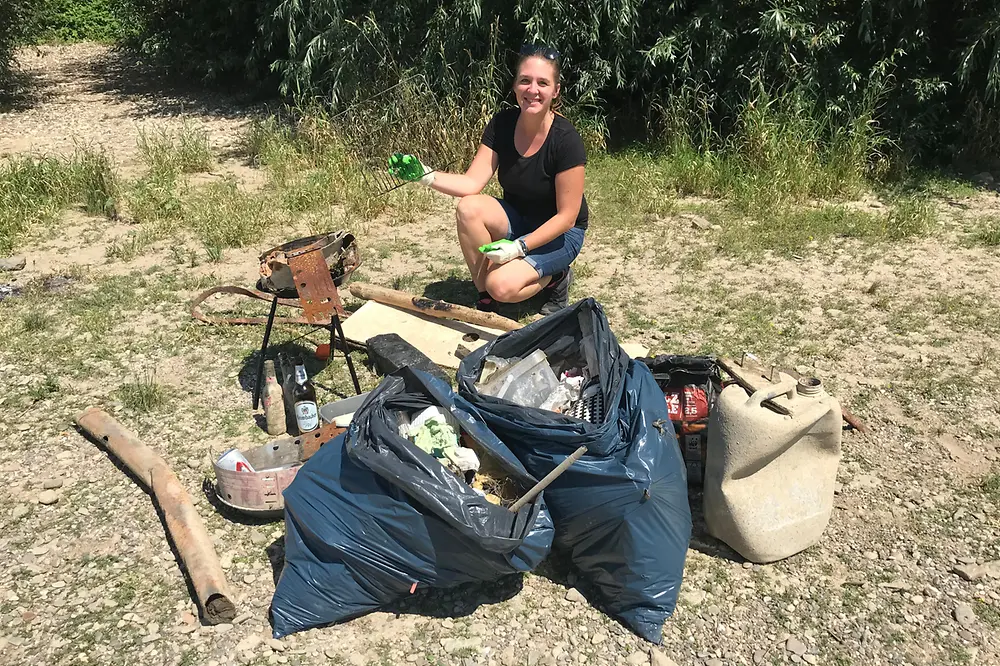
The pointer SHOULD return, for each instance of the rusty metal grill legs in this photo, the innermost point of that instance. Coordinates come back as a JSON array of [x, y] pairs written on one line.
[[259, 382]]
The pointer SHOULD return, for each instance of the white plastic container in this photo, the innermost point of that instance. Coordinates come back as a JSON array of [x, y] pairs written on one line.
[[769, 478]]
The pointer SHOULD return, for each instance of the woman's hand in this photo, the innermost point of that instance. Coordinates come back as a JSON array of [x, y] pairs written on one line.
[[502, 251], [409, 168]]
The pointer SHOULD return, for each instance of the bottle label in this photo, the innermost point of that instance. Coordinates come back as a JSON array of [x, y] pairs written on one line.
[[306, 415], [300, 374]]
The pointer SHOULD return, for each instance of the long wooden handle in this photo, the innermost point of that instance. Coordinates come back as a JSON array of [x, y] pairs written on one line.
[[183, 522], [549, 478], [433, 308]]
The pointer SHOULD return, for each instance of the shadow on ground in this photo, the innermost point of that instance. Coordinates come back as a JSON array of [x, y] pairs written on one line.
[[463, 292], [25, 91], [122, 75]]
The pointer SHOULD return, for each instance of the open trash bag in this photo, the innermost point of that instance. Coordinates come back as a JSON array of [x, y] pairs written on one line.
[[371, 517], [622, 509]]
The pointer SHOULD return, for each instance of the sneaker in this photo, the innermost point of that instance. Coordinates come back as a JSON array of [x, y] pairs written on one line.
[[557, 293], [486, 303]]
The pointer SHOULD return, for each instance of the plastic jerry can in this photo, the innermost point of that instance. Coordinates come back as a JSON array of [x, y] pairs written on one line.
[[769, 478]]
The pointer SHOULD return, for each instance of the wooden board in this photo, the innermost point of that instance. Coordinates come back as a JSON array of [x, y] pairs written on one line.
[[635, 350], [437, 338]]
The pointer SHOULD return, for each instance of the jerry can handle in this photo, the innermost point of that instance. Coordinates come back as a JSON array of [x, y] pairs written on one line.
[[784, 387]]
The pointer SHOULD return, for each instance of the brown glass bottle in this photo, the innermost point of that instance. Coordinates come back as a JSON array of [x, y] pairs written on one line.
[[304, 401]]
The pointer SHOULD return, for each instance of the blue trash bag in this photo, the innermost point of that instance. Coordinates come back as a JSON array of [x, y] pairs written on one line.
[[621, 511], [371, 517]]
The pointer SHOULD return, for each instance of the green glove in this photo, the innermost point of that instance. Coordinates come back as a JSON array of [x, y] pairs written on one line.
[[502, 251], [409, 168]]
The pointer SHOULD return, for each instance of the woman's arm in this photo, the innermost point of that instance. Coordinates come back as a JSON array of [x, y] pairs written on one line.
[[473, 180], [569, 198]]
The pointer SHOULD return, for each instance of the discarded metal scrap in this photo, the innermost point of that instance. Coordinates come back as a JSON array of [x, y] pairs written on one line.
[[184, 525]]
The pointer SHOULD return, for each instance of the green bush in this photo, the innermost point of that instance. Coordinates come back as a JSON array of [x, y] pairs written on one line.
[[18, 24], [79, 20]]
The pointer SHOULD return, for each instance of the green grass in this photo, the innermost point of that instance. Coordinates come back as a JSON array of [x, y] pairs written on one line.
[[171, 152], [987, 613], [35, 190], [991, 487], [987, 232], [143, 395]]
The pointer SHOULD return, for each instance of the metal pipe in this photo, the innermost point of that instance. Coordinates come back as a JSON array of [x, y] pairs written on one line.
[[184, 525]]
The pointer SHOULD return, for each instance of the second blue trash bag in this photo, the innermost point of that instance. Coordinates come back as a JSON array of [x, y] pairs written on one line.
[[371, 517], [622, 510]]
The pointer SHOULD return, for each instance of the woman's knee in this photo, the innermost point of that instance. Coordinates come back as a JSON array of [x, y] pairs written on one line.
[[471, 210], [502, 288]]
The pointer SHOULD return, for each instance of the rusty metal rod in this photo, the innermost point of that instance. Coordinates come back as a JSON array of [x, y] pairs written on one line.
[[183, 522], [433, 308]]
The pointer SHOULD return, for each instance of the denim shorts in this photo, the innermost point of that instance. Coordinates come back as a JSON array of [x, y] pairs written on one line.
[[554, 256]]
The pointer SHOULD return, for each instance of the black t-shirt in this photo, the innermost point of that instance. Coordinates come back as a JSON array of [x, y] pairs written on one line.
[[529, 183]]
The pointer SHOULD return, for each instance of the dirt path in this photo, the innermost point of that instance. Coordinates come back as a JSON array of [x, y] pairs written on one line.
[[92, 95]]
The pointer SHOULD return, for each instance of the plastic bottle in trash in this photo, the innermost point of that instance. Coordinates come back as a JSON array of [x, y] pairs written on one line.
[[274, 406], [304, 400]]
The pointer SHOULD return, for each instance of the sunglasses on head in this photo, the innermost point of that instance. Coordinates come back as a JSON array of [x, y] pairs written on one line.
[[546, 52]]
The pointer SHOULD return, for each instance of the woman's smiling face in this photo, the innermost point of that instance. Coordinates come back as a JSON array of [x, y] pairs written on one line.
[[535, 85]]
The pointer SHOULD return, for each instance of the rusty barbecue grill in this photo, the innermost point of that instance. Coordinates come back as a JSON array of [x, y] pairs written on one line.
[[310, 269]]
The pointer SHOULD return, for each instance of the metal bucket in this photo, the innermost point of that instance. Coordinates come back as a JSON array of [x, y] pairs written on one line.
[[260, 492]]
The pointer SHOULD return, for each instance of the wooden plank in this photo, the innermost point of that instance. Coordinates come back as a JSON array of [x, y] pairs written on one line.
[[635, 349], [437, 338], [753, 376]]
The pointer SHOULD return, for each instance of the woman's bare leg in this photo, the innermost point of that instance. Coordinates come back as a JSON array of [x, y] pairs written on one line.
[[514, 282], [481, 219]]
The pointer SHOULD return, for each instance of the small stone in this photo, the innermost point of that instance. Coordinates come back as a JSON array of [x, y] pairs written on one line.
[[223, 628], [657, 658], [714, 662], [275, 644], [249, 644], [12, 263], [257, 539], [151, 638], [759, 656], [694, 597], [243, 617], [932, 592], [189, 628], [916, 599], [983, 178], [52, 484], [20, 510], [871, 555], [193, 463], [810, 659], [575, 596], [964, 614], [226, 561], [249, 579], [48, 497], [697, 221], [638, 658], [748, 565], [507, 658], [966, 635], [970, 572], [534, 656], [795, 646]]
